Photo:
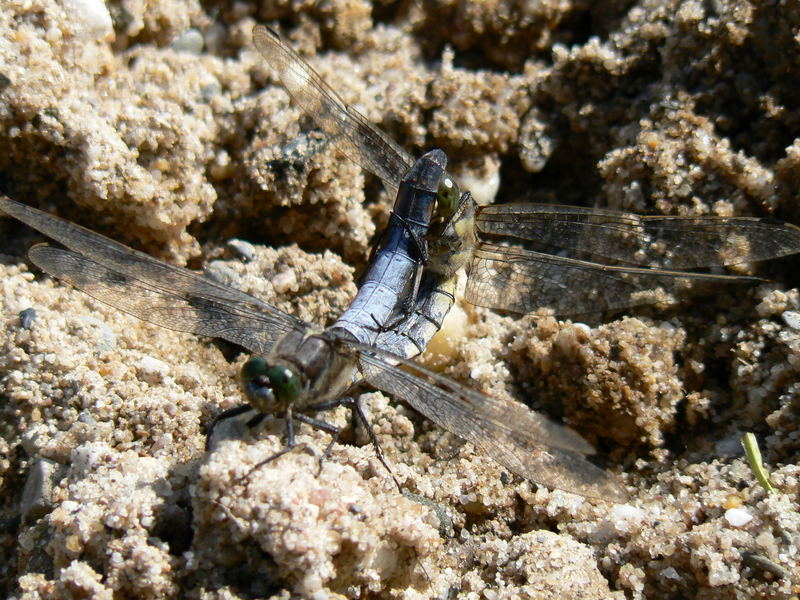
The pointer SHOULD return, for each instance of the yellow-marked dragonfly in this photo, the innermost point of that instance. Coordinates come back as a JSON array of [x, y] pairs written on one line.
[[523, 257]]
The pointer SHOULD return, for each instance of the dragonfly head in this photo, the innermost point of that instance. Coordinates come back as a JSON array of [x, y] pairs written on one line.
[[447, 198], [269, 389]]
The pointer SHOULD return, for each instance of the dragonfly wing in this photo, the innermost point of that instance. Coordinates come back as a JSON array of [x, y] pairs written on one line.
[[519, 280], [359, 139], [525, 442], [150, 289], [668, 242]]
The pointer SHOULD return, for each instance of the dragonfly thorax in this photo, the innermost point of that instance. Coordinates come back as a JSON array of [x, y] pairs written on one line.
[[452, 242], [303, 368]]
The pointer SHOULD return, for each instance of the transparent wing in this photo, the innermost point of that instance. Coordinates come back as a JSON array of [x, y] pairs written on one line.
[[518, 438], [359, 139], [150, 289], [651, 241], [519, 280]]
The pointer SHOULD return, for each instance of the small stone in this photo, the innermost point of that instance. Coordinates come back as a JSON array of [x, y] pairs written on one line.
[[92, 16], [627, 518], [153, 367], [285, 282], [221, 273], [792, 319], [107, 340], [670, 573], [27, 317], [484, 185], [73, 544], [37, 494], [537, 143], [737, 517], [190, 41], [245, 250]]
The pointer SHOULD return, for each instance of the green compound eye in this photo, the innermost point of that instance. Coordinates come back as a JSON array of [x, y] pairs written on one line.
[[257, 386], [254, 368], [447, 198], [269, 388], [286, 385]]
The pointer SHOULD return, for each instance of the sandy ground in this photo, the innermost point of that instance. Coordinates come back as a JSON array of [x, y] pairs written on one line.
[[158, 124]]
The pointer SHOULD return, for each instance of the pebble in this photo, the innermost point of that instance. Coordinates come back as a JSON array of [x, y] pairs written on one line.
[[245, 250], [736, 517], [190, 41], [37, 494], [792, 319], [107, 340], [220, 272], [92, 16], [27, 317]]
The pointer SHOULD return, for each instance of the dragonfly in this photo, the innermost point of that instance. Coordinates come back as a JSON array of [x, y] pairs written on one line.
[[299, 370], [524, 257]]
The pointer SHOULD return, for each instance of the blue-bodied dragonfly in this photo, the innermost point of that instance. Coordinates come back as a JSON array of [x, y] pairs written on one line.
[[523, 257], [300, 370]]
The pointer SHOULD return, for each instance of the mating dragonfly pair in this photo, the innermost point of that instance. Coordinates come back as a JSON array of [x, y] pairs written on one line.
[[409, 287]]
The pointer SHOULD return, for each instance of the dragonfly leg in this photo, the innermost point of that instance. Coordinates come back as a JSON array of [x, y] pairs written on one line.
[[358, 412], [411, 299], [290, 444], [419, 241], [227, 414], [332, 429], [255, 420], [421, 246]]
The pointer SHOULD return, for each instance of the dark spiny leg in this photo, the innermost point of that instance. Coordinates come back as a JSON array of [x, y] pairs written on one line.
[[328, 405], [378, 326], [411, 299], [355, 406], [255, 420], [290, 444], [407, 304], [225, 414], [357, 413], [332, 429], [421, 245]]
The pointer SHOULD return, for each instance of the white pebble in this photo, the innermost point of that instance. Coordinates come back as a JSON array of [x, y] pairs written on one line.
[[92, 18], [737, 517], [285, 282], [149, 365], [792, 319], [670, 573], [86, 457], [583, 327], [443, 347], [626, 518], [190, 41]]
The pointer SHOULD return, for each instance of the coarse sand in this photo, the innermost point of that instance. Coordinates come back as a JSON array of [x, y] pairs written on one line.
[[157, 123]]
